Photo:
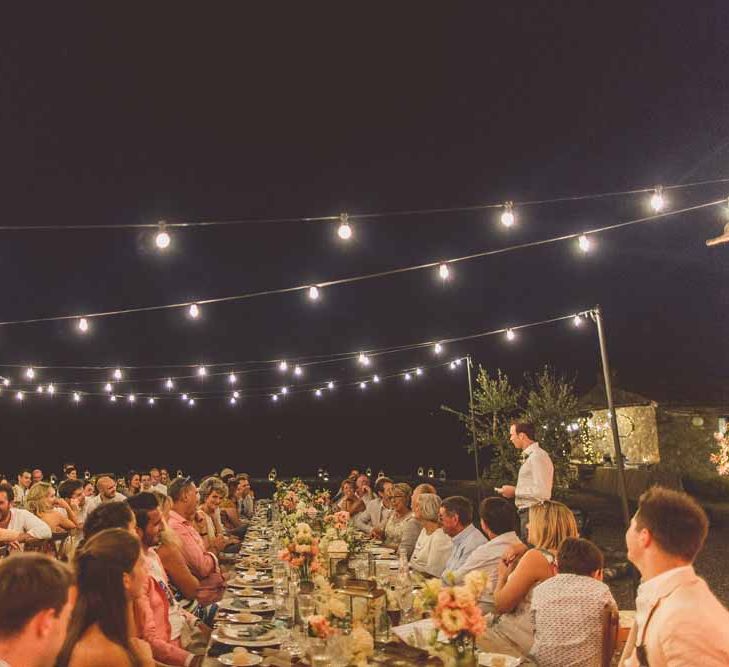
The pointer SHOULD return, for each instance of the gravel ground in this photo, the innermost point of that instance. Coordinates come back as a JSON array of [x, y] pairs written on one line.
[[608, 533]]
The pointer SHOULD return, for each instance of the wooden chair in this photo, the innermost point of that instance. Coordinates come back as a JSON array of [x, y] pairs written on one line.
[[610, 626]]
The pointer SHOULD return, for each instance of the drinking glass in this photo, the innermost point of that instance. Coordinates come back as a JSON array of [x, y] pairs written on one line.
[[382, 572], [307, 607]]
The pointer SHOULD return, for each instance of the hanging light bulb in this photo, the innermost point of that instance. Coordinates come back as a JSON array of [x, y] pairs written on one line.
[[108, 387], [19, 396], [193, 311], [362, 385], [83, 325], [274, 397], [30, 373], [344, 230], [151, 400], [170, 384], [407, 377], [510, 335], [507, 217], [39, 389], [233, 400], [313, 292], [6, 382], [112, 398], [284, 390], [76, 397], [184, 397], [658, 202], [51, 389], [452, 365], [458, 362], [118, 374], [317, 393], [236, 394], [131, 398], [283, 366], [298, 371], [232, 378], [330, 384], [363, 359], [191, 402], [376, 379], [162, 238], [418, 371], [437, 348], [584, 243], [577, 320], [444, 272], [202, 371]]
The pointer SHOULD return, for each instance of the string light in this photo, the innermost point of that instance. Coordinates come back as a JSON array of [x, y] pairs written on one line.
[[117, 374], [236, 394], [51, 389], [112, 398], [283, 366], [6, 382], [232, 378], [284, 390], [184, 397], [274, 397], [83, 325], [577, 320], [363, 359], [444, 272], [362, 385], [313, 292], [584, 243], [317, 393], [507, 217], [330, 384], [298, 371], [437, 348], [131, 398], [658, 202], [233, 400], [458, 362], [39, 389], [170, 384], [510, 335], [193, 311], [407, 377], [452, 365], [344, 230], [30, 373], [19, 396], [162, 238], [202, 371], [76, 397], [108, 387], [191, 402], [376, 379], [151, 400]]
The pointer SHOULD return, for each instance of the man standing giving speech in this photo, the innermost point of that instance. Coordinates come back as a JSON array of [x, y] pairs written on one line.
[[534, 483]]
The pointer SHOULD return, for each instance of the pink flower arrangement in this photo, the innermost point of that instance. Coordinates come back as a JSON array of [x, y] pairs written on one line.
[[721, 458], [339, 519], [301, 551], [290, 501], [457, 613], [320, 627]]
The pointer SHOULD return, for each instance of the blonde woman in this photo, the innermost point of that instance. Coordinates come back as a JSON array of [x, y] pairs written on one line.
[[207, 520], [41, 501], [550, 522], [401, 529]]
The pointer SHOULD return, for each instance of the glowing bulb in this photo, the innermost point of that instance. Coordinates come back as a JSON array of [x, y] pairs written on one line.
[[191, 402], [584, 242], [437, 348], [313, 292], [344, 230], [39, 389], [507, 217], [112, 398], [330, 385], [376, 379], [458, 362], [362, 385], [236, 394], [283, 366], [444, 272], [83, 325], [233, 400], [162, 239], [76, 397], [407, 377], [418, 371], [274, 397], [184, 397], [108, 387], [298, 371], [6, 382], [658, 202], [510, 335], [151, 400], [452, 365], [51, 389], [202, 371], [131, 398], [577, 320], [118, 374], [317, 393], [284, 390], [363, 359], [194, 311], [232, 378], [170, 384], [19, 396], [30, 373]]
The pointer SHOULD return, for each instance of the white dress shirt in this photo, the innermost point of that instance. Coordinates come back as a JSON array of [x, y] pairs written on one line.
[[534, 484], [431, 552], [93, 502], [23, 521]]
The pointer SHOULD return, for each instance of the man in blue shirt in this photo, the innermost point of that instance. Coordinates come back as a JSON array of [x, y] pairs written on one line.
[[456, 518]]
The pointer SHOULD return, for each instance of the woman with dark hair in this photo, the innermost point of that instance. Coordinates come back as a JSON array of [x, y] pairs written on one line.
[[110, 573], [134, 483], [350, 502]]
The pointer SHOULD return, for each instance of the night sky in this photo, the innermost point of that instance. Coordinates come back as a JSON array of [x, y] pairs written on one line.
[[116, 117]]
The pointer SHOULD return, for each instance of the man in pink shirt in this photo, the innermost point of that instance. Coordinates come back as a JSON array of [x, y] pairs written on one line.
[[202, 563]]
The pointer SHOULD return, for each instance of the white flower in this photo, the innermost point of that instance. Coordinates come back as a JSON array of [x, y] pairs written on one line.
[[337, 607], [453, 621], [476, 582]]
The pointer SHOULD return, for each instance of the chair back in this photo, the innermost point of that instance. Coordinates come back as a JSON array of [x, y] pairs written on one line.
[[610, 626]]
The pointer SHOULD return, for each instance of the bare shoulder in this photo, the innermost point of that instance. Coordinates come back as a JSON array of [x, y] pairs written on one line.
[[534, 561], [95, 649]]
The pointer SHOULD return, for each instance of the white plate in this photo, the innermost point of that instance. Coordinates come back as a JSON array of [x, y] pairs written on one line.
[[248, 643], [244, 591], [254, 659], [486, 659], [381, 551], [253, 618], [264, 605]]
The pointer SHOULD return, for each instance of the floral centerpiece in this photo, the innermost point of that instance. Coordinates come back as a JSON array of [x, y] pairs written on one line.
[[301, 551], [721, 458]]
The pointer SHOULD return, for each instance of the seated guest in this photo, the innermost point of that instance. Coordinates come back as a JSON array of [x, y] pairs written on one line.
[[456, 517], [170, 553], [134, 484], [202, 563], [18, 525], [568, 609], [164, 478], [207, 519], [107, 493], [69, 471], [160, 618], [36, 475], [71, 490], [401, 530], [21, 488], [499, 521], [110, 515], [155, 476], [377, 510], [422, 488], [513, 631], [41, 501], [363, 490], [89, 488], [678, 620], [37, 594], [246, 504], [110, 573], [350, 502], [433, 547], [145, 482]]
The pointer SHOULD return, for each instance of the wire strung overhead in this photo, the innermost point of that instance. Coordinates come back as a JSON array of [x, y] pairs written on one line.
[[443, 266]]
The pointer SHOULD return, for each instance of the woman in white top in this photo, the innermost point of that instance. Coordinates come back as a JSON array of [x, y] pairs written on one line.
[[207, 520], [433, 547], [401, 529]]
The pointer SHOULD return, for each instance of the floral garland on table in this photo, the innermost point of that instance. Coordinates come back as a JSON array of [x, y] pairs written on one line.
[[721, 458]]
